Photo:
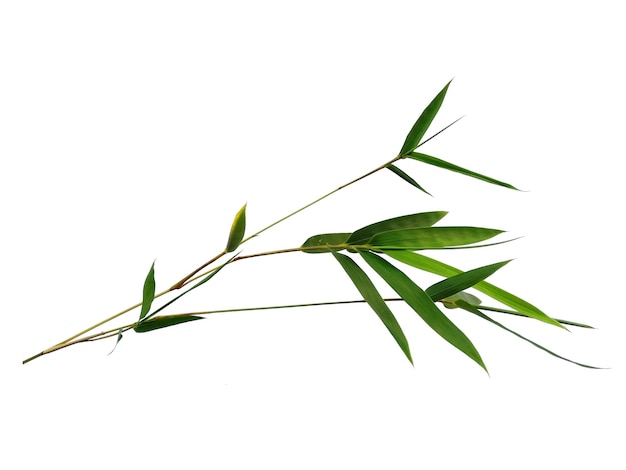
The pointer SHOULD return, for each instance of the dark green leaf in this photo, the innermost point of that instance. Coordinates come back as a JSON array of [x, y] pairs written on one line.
[[198, 284], [375, 300], [431, 237], [451, 167], [164, 322], [406, 178], [423, 122], [476, 311], [316, 243], [421, 220], [460, 282], [419, 301], [437, 267], [237, 230], [149, 289]]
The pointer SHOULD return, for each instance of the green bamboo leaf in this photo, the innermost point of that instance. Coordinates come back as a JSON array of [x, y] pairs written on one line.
[[451, 167], [374, 300], [406, 177], [411, 221], [419, 301], [117, 341], [476, 311], [437, 267], [451, 302], [455, 284], [149, 289], [164, 322], [237, 230], [513, 312], [423, 122], [313, 244], [206, 278], [431, 237]]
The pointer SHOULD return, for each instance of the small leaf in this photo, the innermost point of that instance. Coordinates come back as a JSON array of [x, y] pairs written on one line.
[[149, 288], [164, 322], [437, 267], [431, 237], [421, 220], [237, 230], [423, 122], [375, 300], [475, 311], [406, 177], [455, 284], [419, 301], [451, 302], [313, 244], [119, 338], [451, 167]]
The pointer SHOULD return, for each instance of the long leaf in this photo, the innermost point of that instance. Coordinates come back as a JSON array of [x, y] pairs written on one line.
[[164, 322], [406, 178], [421, 220], [476, 311], [313, 244], [431, 237], [428, 264], [375, 300], [149, 289], [237, 230], [451, 167], [419, 301], [423, 122], [462, 281]]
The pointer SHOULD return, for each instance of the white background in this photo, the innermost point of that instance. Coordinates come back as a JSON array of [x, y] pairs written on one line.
[[135, 130]]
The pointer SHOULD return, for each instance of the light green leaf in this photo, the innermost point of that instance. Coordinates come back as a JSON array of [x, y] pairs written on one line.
[[237, 230], [421, 220], [437, 267], [460, 282], [164, 322], [313, 244], [431, 237], [451, 167], [149, 289], [423, 122], [117, 341], [451, 302], [513, 312], [419, 301], [476, 311], [375, 300], [406, 177]]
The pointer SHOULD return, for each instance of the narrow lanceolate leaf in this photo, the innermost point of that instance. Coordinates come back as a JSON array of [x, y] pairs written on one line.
[[206, 278], [406, 178], [431, 237], [451, 167], [421, 220], [237, 230], [316, 243], [437, 267], [460, 282], [476, 311], [422, 124], [164, 322], [374, 300], [419, 301], [149, 289], [117, 341]]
